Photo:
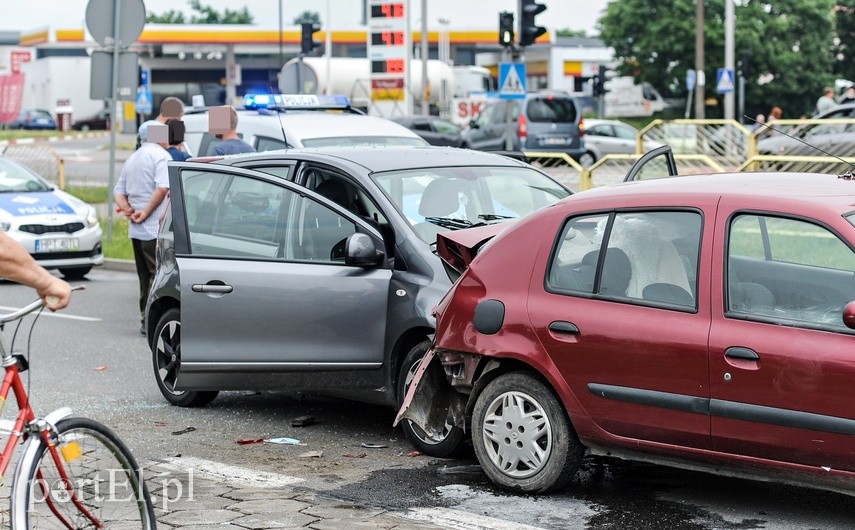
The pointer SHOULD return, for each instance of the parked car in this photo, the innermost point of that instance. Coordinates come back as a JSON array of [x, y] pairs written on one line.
[[100, 121], [541, 122], [834, 138], [277, 122], [613, 137], [33, 119], [705, 321], [59, 230], [435, 130], [313, 269]]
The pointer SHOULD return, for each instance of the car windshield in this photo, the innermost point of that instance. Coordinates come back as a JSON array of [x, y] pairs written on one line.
[[450, 198], [340, 141], [15, 178], [851, 218], [551, 109]]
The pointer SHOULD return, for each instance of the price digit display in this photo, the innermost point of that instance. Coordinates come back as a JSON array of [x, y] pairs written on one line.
[[387, 38], [388, 10], [388, 66]]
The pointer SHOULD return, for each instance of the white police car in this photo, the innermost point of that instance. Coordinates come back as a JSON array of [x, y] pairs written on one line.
[[280, 121], [59, 230]]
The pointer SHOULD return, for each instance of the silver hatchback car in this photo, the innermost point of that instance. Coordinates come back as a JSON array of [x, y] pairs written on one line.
[[314, 269]]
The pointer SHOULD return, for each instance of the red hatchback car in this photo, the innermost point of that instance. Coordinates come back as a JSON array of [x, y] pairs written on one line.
[[700, 321]]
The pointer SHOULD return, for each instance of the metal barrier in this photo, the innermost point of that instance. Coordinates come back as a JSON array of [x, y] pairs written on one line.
[[799, 164], [41, 158], [726, 141], [562, 167], [835, 136]]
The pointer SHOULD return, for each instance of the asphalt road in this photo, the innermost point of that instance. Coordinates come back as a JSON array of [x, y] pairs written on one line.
[[92, 358]]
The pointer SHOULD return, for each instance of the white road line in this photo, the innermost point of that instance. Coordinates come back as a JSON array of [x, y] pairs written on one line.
[[238, 476], [448, 518], [47, 313]]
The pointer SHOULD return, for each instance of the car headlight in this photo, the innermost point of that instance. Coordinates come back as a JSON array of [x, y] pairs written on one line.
[[91, 218]]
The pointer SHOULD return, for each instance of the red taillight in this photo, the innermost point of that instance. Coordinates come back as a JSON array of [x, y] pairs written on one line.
[[581, 126], [522, 128]]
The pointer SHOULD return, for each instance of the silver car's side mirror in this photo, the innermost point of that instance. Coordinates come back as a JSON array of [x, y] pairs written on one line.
[[849, 315], [360, 251]]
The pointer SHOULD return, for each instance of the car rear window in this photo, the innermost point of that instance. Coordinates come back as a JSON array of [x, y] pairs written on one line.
[[551, 110]]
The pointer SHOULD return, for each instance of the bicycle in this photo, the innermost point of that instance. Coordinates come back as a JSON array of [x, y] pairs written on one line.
[[73, 472]]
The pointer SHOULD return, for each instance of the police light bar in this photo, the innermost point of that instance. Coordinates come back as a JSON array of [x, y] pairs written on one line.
[[294, 101]]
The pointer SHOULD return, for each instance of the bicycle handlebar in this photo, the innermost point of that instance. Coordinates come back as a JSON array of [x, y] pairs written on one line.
[[29, 308]]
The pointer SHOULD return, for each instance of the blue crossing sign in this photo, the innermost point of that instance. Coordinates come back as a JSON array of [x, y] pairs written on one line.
[[512, 80]]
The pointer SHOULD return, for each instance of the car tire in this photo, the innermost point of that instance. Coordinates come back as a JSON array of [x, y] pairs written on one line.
[[534, 424], [84, 128], [74, 273], [166, 359], [587, 159], [452, 436]]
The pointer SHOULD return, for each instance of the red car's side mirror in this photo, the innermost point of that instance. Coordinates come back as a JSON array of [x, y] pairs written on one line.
[[849, 315]]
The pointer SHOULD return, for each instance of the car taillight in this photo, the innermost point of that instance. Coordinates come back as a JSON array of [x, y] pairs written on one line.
[[522, 128], [581, 127]]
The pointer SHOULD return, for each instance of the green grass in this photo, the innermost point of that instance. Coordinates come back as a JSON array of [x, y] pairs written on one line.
[[9, 134], [89, 194], [120, 245]]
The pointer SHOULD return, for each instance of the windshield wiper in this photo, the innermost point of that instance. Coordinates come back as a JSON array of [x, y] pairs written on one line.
[[448, 222], [494, 217]]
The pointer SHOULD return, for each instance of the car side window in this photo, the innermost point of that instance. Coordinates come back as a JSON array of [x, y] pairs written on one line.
[[650, 257], [421, 125], [265, 143], [445, 127], [791, 271]]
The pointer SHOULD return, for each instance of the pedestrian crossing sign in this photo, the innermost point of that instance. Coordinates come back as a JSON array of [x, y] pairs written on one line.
[[512, 80], [724, 81]]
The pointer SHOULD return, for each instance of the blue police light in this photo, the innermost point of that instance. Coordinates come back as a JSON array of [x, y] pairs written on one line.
[[253, 101]]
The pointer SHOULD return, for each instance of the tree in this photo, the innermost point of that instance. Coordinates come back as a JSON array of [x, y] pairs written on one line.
[[203, 14], [307, 16], [790, 43], [572, 33], [844, 49]]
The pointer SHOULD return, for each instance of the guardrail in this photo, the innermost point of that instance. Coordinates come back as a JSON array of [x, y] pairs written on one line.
[[728, 142], [41, 158], [800, 164]]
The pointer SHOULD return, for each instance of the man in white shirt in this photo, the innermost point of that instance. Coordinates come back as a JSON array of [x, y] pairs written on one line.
[[139, 194]]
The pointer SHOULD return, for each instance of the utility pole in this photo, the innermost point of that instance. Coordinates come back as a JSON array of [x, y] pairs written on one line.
[[425, 104], [700, 112], [729, 59]]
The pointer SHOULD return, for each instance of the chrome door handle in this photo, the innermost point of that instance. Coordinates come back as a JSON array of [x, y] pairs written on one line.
[[211, 288]]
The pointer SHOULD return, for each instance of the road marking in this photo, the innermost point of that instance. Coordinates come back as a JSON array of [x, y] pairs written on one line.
[[448, 518], [238, 476], [56, 315]]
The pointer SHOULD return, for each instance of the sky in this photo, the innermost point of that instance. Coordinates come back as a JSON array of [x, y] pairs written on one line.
[[477, 14]]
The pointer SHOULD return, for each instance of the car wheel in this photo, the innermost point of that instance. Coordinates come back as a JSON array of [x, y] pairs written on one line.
[[522, 435], [76, 273], [587, 159], [166, 356], [451, 435], [84, 128]]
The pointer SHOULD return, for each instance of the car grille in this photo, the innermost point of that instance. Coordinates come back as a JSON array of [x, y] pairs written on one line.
[[44, 229], [66, 255]]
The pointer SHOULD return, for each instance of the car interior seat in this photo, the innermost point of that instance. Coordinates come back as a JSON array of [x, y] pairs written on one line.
[[325, 232], [440, 198], [617, 273]]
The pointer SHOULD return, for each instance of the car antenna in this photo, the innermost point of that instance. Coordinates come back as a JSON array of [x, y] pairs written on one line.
[[846, 175]]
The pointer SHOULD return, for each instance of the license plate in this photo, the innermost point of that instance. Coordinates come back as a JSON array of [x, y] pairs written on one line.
[[554, 140], [65, 244]]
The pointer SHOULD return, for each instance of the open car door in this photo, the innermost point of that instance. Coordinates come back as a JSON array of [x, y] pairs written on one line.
[[654, 164]]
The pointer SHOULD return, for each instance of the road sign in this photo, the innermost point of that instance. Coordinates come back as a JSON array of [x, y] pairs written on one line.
[[143, 104], [102, 75], [724, 81], [691, 79], [512, 80], [100, 17]]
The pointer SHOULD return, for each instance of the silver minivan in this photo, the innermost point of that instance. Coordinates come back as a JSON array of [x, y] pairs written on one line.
[[541, 122]]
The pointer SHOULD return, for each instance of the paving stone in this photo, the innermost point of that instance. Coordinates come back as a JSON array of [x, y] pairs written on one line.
[[250, 494], [277, 506], [261, 521], [338, 524], [200, 517], [338, 510]]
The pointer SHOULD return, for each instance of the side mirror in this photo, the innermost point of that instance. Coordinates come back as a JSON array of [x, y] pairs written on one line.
[[849, 315], [360, 251], [473, 124]]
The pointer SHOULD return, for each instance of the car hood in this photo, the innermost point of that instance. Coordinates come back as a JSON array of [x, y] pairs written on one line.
[[38, 203], [459, 248]]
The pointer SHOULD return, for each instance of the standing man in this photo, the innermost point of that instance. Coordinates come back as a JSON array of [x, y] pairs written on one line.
[[825, 102], [171, 107], [232, 143], [139, 194]]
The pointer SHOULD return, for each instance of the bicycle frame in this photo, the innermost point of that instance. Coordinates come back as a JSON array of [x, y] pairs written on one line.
[[27, 423]]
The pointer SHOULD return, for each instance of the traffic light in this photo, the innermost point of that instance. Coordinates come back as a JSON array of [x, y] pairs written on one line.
[[307, 43], [529, 31], [506, 28], [600, 82]]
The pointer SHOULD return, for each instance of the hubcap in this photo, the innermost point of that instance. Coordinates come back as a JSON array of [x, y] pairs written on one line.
[[168, 350], [517, 435]]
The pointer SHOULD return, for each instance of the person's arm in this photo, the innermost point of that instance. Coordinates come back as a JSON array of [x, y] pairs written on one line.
[[17, 265], [120, 196], [156, 198]]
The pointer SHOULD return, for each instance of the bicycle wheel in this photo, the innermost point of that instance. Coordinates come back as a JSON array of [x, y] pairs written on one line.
[[97, 484]]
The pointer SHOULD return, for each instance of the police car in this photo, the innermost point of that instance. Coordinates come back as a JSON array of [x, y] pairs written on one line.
[[59, 230], [279, 121]]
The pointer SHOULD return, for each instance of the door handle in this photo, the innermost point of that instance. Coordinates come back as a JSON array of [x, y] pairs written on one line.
[[744, 354], [211, 288], [564, 327]]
